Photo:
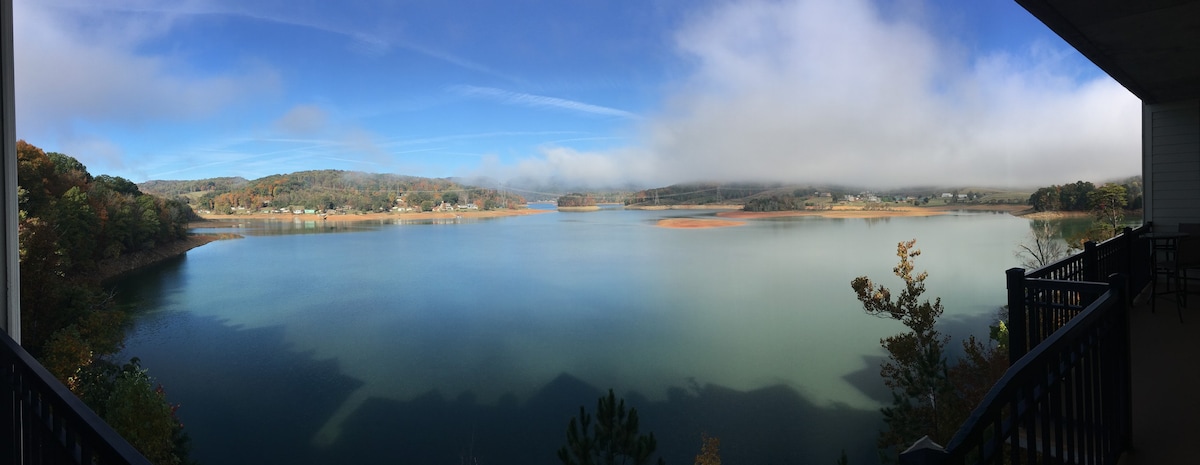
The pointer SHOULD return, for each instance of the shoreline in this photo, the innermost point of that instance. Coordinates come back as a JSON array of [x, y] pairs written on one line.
[[211, 220], [684, 207], [696, 223], [837, 212], [115, 267], [732, 217]]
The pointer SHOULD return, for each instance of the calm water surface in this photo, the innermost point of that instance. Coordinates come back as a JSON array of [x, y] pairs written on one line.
[[475, 341]]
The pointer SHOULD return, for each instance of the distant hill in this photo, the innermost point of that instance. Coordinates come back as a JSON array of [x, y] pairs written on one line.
[[776, 196], [550, 190], [328, 190], [702, 193], [173, 188]]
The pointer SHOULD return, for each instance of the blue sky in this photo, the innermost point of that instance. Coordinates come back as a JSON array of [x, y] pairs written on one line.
[[585, 92]]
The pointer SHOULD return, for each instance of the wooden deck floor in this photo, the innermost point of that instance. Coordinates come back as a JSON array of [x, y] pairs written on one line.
[[1166, 382]]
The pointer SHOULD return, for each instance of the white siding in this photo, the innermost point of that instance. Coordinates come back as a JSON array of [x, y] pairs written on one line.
[[1171, 162]]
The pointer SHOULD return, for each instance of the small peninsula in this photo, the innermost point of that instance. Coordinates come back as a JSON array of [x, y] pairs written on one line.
[[577, 203]]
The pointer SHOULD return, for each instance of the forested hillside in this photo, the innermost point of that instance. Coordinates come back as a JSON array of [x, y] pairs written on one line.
[[69, 223], [576, 200], [700, 193], [327, 190], [1074, 197], [177, 188]]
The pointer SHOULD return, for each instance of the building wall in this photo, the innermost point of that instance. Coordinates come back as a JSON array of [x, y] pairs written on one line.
[[1171, 163]]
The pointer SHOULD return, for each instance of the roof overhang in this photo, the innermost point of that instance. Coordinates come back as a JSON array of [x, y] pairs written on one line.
[[1152, 47]]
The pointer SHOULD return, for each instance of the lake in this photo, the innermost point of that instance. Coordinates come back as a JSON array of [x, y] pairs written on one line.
[[475, 341]]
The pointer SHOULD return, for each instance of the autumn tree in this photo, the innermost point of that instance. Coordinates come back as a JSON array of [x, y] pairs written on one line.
[[916, 368], [68, 223], [710, 453], [930, 396]]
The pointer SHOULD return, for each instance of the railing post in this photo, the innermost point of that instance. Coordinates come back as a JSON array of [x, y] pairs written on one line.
[[10, 439], [1091, 271], [1120, 282], [923, 452], [1126, 263], [1017, 315]]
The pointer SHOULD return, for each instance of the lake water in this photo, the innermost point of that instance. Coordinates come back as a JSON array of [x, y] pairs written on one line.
[[475, 341]]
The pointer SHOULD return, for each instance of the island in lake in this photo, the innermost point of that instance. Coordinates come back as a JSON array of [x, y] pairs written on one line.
[[575, 202]]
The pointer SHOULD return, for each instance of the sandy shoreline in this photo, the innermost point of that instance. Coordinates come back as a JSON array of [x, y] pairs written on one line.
[[696, 223], [213, 221], [1054, 215], [684, 207], [730, 217], [842, 211], [836, 212]]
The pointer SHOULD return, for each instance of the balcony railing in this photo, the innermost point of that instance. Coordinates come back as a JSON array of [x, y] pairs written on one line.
[[1041, 301], [43, 423], [1066, 396]]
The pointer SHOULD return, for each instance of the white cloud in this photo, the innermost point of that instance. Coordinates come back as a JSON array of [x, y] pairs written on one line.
[[99, 148], [540, 101], [74, 66], [303, 120], [834, 92], [573, 168]]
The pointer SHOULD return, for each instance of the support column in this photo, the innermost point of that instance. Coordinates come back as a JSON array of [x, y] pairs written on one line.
[[10, 265]]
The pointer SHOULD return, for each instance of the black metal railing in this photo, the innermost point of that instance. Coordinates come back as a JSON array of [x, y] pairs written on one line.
[[1041, 301], [1066, 396], [43, 423], [1066, 401]]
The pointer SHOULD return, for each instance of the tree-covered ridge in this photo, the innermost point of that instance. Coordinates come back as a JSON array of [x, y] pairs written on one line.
[[1074, 197], [69, 222], [577, 200], [773, 203], [700, 193], [329, 190], [765, 197], [176, 188]]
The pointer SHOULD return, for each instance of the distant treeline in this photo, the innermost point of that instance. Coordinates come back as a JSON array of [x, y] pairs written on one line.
[[69, 223], [700, 193], [75, 220], [577, 200], [177, 188], [774, 203], [331, 190], [1074, 197]]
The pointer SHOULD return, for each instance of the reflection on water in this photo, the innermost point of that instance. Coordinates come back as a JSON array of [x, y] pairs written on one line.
[[442, 341]]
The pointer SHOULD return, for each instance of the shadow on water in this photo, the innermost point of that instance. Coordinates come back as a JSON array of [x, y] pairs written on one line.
[[868, 382], [244, 396], [247, 397], [772, 425]]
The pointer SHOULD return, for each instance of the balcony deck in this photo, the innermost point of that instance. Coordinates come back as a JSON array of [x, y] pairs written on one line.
[[1166, 381]]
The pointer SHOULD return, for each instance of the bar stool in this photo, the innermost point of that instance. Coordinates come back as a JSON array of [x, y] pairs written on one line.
[[1164, 263]]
